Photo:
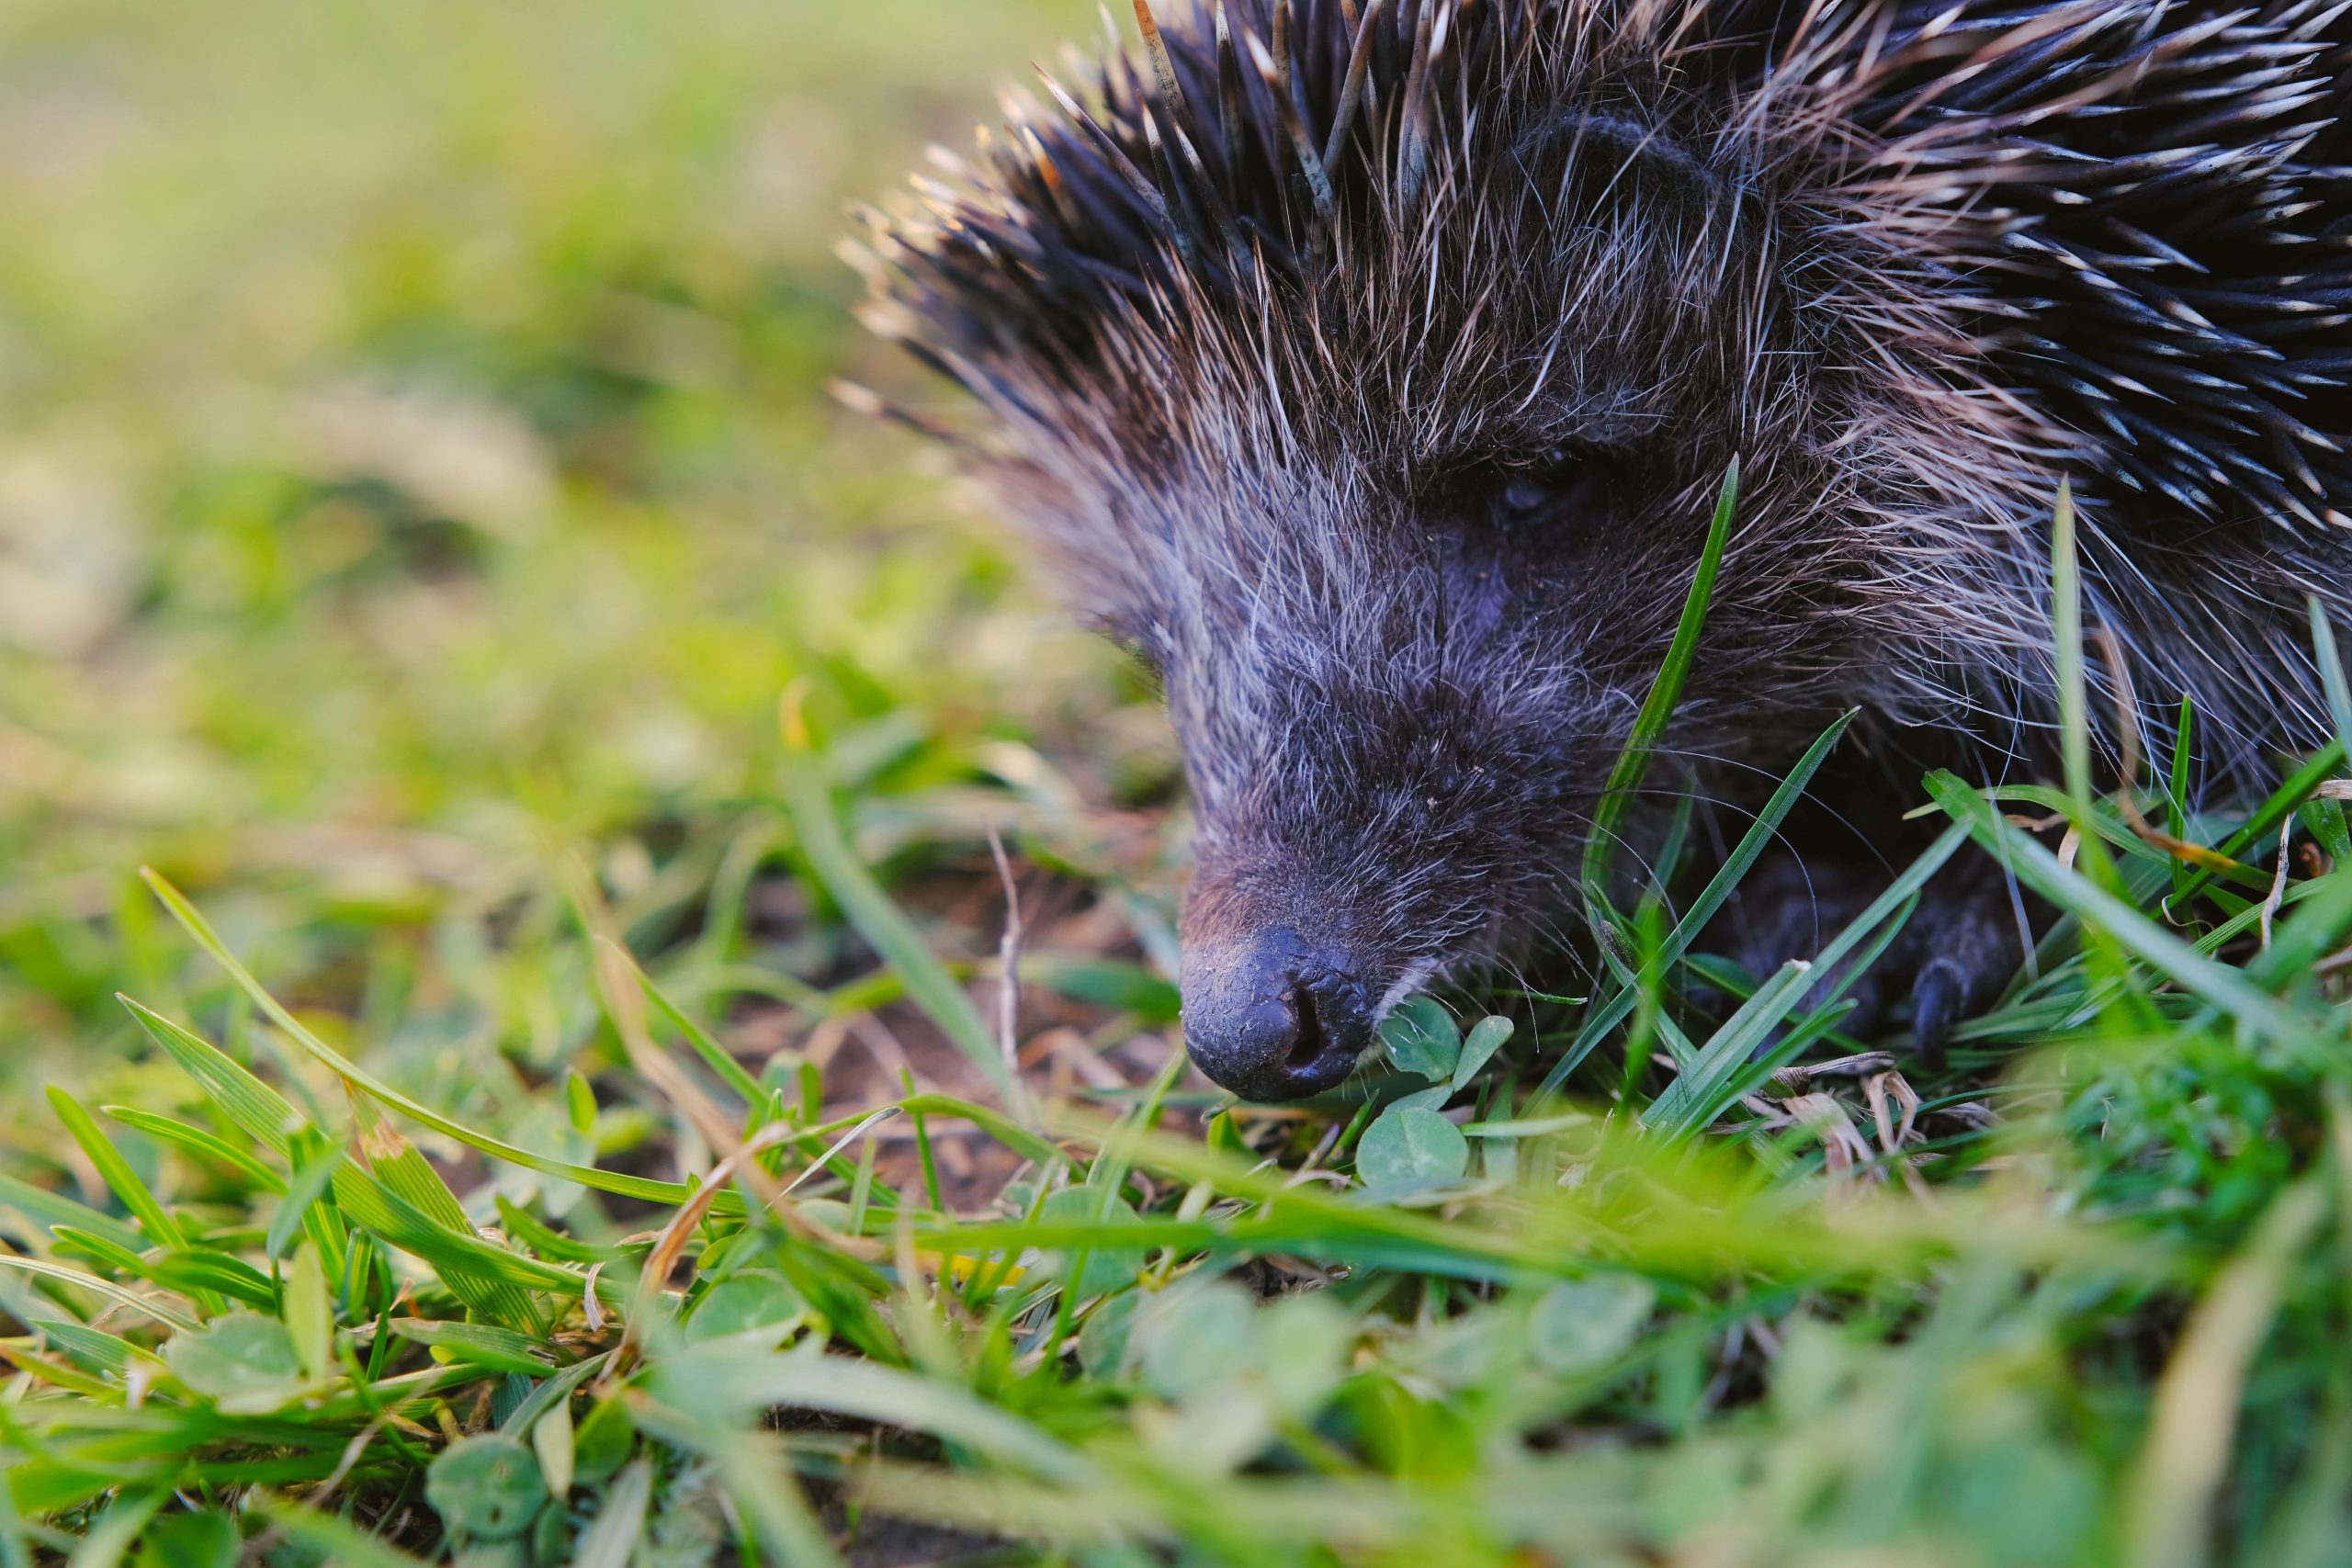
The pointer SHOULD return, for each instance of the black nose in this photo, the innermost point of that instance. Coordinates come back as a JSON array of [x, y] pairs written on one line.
[[1272, 1015]]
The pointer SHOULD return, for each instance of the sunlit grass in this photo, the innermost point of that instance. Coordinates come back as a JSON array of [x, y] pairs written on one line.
[[1588, 1339], [540, 1108]]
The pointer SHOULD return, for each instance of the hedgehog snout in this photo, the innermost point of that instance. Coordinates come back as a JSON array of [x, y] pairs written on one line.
[[1273, 1015]]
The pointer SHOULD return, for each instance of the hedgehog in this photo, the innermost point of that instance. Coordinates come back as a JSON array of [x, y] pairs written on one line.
[[1369, 369]]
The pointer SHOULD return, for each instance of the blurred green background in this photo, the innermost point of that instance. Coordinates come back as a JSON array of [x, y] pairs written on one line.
[[415, 454]]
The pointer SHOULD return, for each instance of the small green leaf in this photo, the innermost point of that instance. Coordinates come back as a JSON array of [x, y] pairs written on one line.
[[487, 1486], [484, 1344], [551, 1536], [1408, 1149], [245, 1363], [552, 1440], [579, 1102], [1225, 1137], [1421, 1038], [754, 1305], [2324, 819], [310, 1316], [1486, 1037], [1196, 1339], [308, 1183], [612, 1540], [1102, 1342], [1580, 1325], [1111, 1265], [1304, 1341], [204, 1539], [601, 1444]]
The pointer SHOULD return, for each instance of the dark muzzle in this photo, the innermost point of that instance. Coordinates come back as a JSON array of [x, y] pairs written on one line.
[[1273, 1015]]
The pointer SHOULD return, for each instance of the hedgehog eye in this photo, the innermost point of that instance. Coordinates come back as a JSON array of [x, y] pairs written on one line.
[[1563, 476], [1525, 493]]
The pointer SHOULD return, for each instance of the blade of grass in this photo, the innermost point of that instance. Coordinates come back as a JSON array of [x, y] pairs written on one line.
[[54, 1209], [115, 1171], [2066, 639], [544, 1397], [877, 918], [868, 1391], [1608, 1012], [311, 1179], [2176, 788], [609, 1541], [408, 1175], [758, 1473], [1633, 763], [484, 1344], [2217, 983], [144, 1305], [2186, 1459], [2263, 826], [665, 1192], [116, 1530], [1696, 1098], [369, 1203], [116, 1354], [714, 1055], [2330, 655], [204, 1275], [339, 1541], [197, 1140], [267, 1117]]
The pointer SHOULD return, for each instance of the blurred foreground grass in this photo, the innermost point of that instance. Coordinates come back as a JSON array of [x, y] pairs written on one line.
[[416, 496]]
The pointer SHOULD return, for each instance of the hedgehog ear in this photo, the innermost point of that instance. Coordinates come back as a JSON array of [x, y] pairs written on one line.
[[1592, 150]]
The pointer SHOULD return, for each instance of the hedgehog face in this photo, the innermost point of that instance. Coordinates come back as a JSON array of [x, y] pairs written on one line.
[[1407, 590], [1392, 723], [1405, 596], [1399, 687], [1395, 465]]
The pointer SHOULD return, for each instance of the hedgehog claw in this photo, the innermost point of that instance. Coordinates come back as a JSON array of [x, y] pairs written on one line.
[[1935, 1008]]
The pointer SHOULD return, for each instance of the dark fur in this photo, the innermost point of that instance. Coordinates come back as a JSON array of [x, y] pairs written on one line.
[[1260, 351]]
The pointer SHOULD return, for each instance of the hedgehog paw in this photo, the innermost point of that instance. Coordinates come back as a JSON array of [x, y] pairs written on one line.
[[1951, 959], [1960, 948]]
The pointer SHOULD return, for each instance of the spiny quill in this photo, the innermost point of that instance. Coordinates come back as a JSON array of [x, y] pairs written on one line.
[[1370, 367]]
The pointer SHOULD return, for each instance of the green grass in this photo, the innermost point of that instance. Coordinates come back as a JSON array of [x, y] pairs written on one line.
[[554, 1110]]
